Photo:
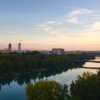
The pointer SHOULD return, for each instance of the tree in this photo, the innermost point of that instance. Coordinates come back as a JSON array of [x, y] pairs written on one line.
[[46, 90], [86, 87]]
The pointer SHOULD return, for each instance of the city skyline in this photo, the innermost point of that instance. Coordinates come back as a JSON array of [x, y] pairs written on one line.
[[46, 24], [10, 47]]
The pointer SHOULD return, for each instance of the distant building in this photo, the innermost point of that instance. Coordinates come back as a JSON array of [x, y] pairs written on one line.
[[19, 47], [58, 51], [44, 52], [74, 52], [10, 47]]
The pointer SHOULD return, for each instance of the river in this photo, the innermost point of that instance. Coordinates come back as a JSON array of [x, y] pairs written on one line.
[[14, 89]]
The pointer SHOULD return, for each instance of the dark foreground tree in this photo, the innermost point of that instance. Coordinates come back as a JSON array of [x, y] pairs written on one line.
[[86, 87], [46, 90]]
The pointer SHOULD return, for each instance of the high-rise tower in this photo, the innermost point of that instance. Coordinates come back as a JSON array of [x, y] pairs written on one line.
[[10, 47], [19, 46]]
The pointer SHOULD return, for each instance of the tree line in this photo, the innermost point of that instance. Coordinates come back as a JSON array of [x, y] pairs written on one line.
[[14, 63], [85, 87]]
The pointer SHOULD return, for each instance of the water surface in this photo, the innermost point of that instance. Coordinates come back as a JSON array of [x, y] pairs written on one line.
[[14, 89]]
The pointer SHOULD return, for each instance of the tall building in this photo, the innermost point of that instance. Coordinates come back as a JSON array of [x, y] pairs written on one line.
[[10, 47], [19, 46], [58, 51]]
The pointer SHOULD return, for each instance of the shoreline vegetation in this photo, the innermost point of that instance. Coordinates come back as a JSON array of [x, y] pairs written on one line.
[[85, 87], [15, 64]]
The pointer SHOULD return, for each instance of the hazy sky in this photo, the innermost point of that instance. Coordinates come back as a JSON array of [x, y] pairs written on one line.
[[45, 24]]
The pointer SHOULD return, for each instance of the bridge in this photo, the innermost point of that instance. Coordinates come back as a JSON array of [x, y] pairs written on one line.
[[91, 67], [86, 61], [93, 61]]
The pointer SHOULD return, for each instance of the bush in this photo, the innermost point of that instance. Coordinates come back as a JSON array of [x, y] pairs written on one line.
[[46, 90]]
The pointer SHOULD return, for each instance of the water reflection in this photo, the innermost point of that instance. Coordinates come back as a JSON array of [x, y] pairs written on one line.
[[24, 79], [88, 64], [96, 59], [13, 88], [93, 64], [71, 74]]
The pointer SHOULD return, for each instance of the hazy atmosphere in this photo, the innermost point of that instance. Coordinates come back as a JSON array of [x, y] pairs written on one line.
[[45, 24], [49, 49]]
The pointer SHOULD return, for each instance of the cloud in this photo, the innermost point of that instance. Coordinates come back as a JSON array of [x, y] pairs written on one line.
[[59, 31], [53, 28], [95, 26], [46, 26], [59, 28], [74, 15], [56, 28]]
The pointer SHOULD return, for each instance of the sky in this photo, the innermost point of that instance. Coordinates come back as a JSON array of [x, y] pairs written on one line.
[[47, 24]]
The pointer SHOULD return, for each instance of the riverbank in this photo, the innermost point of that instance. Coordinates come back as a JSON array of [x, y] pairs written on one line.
[[18, 64], [80, 89]]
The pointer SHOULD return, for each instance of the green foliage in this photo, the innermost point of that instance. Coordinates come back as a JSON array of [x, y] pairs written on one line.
[[86, 87], [11, 63], [46, 90]]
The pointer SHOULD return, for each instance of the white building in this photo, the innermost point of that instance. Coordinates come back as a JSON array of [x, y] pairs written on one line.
[[58, 51]]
